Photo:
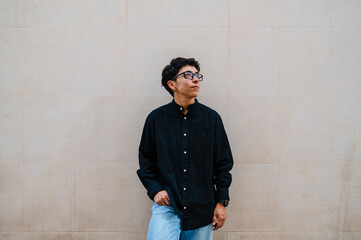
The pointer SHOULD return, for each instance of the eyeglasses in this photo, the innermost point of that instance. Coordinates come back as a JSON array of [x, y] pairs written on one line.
[[189, 75]]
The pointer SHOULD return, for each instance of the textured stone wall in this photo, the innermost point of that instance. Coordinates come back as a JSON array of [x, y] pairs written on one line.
[[78, 78]]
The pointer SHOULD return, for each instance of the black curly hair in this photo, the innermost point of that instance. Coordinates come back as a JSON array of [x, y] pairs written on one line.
[[171, 70]]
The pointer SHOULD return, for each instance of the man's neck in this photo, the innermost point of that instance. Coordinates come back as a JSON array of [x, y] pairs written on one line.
[[184, 102]]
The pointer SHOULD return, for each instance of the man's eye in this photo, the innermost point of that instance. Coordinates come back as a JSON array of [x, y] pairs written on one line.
[[188, 75]]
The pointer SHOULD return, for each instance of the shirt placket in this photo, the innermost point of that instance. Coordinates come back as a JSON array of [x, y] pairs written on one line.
[[185, 158]]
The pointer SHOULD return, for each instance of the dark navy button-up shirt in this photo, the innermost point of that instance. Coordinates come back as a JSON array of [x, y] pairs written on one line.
[[189, 156]]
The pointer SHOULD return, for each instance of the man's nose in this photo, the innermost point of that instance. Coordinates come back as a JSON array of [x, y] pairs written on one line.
[[195, 79]]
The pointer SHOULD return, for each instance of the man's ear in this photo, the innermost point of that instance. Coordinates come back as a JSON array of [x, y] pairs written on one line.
[[171, 84]]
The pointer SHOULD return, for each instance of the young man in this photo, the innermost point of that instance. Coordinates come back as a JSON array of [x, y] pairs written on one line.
[[185, 160]]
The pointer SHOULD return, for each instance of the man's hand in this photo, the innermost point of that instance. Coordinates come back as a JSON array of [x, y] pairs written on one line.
[[162, 198], [219, 216]]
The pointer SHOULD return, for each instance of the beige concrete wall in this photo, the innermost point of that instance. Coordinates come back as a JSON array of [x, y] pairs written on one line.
[[78, 78]]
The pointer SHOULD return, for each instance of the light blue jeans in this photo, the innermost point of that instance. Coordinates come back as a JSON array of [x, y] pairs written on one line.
[[164, 224]]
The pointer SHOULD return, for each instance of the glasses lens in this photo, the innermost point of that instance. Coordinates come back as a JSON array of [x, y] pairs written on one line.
[[188, 75], [199, 76]]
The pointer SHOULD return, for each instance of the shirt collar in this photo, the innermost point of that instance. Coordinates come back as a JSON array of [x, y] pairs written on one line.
[[179, 108]]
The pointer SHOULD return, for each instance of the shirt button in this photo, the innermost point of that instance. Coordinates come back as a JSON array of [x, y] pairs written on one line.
[[184, 189], [185, 207], [185, 117], [185, 152], [185, 170], [181, 108], [185, 134]]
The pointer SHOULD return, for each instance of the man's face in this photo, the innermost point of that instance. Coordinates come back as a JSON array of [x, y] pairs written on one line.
[[186, 87]]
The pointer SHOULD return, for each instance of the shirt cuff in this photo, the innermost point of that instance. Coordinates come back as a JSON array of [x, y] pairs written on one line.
[[153, 189], [222, 194]]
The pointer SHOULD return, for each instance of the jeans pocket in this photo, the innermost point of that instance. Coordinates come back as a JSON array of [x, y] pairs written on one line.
[[154, 205]]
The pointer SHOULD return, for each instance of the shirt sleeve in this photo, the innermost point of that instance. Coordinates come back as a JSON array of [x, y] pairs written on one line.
[[223, 161], [148, 158]]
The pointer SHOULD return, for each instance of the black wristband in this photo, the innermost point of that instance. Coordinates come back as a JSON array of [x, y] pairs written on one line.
[[224, 202]]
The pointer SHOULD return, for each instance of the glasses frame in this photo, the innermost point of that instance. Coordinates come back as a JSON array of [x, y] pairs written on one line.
[[200, 76]]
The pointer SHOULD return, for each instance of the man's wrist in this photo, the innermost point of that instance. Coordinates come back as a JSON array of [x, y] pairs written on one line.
[[225, 202]]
